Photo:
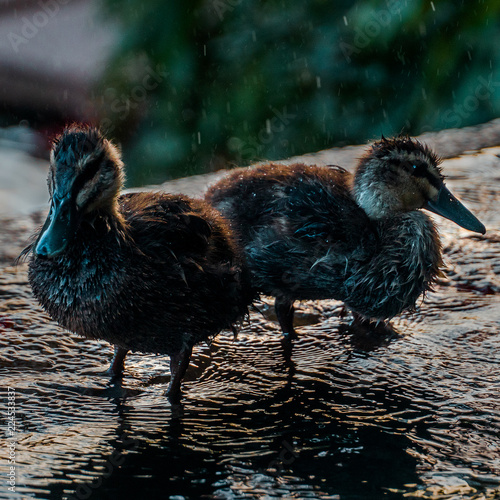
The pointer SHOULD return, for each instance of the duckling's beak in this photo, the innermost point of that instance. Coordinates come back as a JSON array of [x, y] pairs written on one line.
[[449, 207], [59, 228]]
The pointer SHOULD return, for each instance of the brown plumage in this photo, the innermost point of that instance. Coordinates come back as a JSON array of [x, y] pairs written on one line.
[[149, 272], [318, 232]]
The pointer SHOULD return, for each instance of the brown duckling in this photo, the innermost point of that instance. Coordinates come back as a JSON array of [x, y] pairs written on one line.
[[149, 272], [319, 232]]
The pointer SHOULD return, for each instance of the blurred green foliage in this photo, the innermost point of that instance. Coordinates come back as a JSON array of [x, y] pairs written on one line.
[[200, 84]]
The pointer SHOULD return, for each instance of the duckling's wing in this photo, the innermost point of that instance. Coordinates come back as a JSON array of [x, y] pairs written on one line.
[[162, 224], [318, 211], [299, 227], [318, 235]]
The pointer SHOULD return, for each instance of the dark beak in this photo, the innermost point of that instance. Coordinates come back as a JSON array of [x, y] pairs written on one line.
[[59, 228], [449, 207]]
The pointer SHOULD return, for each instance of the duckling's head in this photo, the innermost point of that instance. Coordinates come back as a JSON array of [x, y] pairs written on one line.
[[85, 177], [400, 175]]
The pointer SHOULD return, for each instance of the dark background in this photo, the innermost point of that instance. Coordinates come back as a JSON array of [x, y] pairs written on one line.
[[193, 86]]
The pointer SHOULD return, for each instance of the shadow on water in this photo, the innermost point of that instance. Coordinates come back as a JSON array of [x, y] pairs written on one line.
[[344, 414], [284, 445], [348, 413]]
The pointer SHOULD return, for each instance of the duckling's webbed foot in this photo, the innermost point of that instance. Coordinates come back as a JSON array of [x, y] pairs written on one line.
[[284, 311], [118, 363], [178, 365]]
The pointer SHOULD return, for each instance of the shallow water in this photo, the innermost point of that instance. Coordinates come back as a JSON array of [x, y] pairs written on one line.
[[347, 414]]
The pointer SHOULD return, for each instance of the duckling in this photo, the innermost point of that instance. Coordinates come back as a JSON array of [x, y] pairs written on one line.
[[149, 272], [319, 232]]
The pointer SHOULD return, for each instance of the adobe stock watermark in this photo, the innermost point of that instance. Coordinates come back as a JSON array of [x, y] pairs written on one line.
[[275, 125], [483, 91], [286, 457], [31, 26], [364, 36], [223, 6], [122, 105], [11, 441]]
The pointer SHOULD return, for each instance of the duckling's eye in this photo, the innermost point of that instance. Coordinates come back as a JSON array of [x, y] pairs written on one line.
[[419, 170]]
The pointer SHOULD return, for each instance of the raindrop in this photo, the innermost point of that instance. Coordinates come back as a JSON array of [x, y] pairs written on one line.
[[345, 20], [318, 82], [433, 7]]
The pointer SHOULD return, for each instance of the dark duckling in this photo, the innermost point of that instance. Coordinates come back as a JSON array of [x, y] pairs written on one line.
[[318, 232], [149, 272]]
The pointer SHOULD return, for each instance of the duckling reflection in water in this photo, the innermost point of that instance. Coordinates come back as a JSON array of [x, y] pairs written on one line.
[[147, 272], [319, 232]]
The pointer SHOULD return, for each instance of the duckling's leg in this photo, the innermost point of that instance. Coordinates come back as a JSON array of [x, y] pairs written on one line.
[[284, 311], [117, 365], [178, 365]]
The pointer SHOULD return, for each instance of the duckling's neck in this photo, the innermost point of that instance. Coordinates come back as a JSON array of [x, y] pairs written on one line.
[[375, 199], [103, 222], [109, 211], [405, 263], [114, 214]]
